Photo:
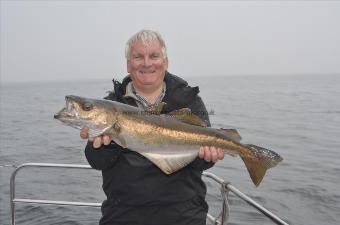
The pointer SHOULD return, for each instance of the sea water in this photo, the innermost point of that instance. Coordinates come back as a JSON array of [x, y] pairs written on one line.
[[296, 116]]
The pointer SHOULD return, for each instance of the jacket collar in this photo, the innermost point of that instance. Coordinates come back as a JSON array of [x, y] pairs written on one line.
[[178, 93]]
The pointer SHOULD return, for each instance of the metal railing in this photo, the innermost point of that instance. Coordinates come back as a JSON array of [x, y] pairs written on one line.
[[225, 187], [247, 199]]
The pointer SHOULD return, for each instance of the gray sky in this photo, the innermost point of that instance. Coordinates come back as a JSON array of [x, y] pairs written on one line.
[[61, 40]]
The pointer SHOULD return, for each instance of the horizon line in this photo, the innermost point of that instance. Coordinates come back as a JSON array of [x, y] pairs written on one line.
[[185, 77]]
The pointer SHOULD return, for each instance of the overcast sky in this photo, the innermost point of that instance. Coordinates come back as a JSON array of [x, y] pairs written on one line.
[[61, 40]]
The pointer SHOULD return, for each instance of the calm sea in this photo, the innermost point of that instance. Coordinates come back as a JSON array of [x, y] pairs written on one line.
[[296, 116]]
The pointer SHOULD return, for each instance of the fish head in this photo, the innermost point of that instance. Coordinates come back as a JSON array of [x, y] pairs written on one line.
[[97, 115]]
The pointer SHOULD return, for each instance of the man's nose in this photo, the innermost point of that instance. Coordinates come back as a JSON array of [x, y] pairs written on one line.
[[147, 61]]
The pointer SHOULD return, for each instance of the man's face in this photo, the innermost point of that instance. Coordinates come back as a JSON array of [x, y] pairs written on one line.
[[147, 65]]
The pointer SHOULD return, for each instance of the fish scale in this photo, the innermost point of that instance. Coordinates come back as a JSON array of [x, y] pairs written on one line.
[[171, 141]]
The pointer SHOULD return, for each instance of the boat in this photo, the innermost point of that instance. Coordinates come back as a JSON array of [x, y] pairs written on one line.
[[226, 188]]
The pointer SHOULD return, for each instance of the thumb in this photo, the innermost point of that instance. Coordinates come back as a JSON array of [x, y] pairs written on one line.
[[84, 133]]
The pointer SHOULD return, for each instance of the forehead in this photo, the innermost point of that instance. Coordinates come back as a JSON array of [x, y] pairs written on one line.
[[140, 47]]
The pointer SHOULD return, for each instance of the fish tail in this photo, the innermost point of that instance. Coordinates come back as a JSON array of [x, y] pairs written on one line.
[[257, 166]]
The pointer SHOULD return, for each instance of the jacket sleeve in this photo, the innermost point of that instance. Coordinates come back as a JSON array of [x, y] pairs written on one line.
[[104, 157], [198, 108]]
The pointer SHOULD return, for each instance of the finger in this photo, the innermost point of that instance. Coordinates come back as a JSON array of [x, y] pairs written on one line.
[[207, 154], [201, 152], [97, 142], [213, 151], [220, 153], [84, 132], [106, 139]]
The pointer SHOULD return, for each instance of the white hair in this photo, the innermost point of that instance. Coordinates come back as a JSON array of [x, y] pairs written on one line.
[[145, 37]]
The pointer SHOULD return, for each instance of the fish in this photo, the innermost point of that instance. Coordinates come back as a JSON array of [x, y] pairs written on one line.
[[170, 141]]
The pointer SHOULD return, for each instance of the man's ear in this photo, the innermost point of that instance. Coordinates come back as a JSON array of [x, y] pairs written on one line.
[[166, 63], [128, 66]]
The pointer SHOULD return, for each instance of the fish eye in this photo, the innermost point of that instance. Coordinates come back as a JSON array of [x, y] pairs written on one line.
[[87, 106]]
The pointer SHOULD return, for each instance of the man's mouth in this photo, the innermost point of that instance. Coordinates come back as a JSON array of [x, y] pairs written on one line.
[[147, 72]]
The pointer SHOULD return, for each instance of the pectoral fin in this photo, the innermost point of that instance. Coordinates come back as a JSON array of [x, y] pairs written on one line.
[[116, 135]]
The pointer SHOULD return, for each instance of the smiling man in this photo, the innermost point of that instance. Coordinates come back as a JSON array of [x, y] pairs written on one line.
[[146, 64], [137, 191]]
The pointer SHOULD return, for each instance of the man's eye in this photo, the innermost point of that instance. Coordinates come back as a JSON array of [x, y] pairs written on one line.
[[136, 57], [155, 56], [87, 106]]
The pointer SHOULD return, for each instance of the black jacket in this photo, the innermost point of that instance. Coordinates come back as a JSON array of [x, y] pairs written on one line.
[[130, 179]]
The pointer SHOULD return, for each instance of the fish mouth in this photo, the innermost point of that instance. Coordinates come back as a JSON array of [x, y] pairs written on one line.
[[68, 112]]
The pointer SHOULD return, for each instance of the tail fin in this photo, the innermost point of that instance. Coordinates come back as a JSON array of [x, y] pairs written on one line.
[[257, 166]]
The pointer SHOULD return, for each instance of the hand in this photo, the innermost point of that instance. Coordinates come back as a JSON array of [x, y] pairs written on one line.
[[211, 154], [97, 141]]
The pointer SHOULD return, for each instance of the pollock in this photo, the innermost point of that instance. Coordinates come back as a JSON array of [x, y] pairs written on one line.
[[171, 141]]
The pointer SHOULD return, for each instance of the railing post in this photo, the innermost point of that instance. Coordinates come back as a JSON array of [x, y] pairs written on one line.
[[12, 193], [13, 176]]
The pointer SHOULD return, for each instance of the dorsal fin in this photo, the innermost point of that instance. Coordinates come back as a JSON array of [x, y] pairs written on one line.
[[231, 133], [186, 116], [155, 108]]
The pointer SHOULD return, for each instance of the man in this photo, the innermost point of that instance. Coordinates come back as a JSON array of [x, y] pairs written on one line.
[[137, 191]]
